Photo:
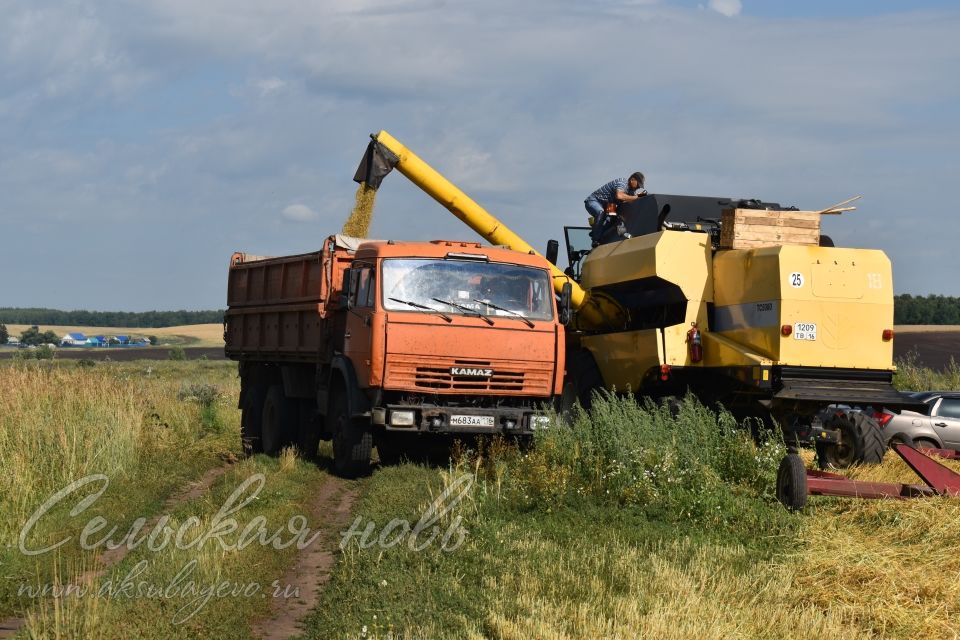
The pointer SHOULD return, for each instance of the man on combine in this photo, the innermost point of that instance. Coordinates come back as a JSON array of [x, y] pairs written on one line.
[[619, 190]]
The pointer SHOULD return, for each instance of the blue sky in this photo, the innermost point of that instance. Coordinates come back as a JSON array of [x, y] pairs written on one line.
[[142, 143]]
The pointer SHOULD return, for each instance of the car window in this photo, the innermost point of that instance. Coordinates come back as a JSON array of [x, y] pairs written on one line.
[[950, 408]]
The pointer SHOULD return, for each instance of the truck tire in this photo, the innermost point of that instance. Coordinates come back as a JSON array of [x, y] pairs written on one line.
[[352, 438], [251, 420], [582, 380], [279, 420], [862, 441], [792, 482]]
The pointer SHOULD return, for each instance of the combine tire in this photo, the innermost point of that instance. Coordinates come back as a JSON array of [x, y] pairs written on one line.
[[861, 441], [251, 420], [792, 482], [279, 420], [352, 439]]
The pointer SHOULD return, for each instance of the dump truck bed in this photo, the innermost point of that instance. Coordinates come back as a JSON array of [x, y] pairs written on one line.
[[285, 308]]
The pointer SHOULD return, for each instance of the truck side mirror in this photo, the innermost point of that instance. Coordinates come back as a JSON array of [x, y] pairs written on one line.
[[553, 250], [566, 310]]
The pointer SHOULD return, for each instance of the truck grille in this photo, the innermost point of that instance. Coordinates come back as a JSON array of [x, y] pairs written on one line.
[[513, 377]]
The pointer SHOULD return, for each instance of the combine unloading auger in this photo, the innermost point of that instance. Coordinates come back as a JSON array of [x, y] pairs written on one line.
[[385, 153]]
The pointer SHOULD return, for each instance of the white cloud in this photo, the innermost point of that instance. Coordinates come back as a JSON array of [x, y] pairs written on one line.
[[266, 86], [728, 8], [299, 213]]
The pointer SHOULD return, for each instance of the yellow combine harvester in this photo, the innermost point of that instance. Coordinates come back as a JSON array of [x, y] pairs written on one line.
[[784, 329]]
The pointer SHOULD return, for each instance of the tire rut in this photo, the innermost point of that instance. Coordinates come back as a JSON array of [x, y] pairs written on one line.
[[329, 510], [109, 558]]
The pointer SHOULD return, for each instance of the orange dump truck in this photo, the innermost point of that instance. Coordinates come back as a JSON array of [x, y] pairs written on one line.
[[369, 342]]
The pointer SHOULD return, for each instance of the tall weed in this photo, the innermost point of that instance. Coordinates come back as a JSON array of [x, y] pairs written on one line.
[[910, 376], [691, 464]]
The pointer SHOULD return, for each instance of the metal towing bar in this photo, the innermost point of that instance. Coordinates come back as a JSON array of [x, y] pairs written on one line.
[[795, 482]]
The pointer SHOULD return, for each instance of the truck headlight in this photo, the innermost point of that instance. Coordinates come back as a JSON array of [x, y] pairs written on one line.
[[403, 418], [539, 422]]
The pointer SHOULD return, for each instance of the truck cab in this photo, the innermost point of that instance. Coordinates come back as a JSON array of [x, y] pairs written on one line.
[[452, 336]]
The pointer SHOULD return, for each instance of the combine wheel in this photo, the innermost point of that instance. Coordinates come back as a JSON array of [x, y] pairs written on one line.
[[352, 439], [860, 441], [279, 420], [251, 419], [792, 482]]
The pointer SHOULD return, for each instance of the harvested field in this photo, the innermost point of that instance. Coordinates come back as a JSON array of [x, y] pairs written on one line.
[[930, 348]]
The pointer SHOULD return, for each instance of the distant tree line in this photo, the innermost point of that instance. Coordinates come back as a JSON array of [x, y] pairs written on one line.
[[909, 309], [80, 318]]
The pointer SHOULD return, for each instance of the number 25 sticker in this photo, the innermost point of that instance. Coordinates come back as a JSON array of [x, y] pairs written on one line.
[[796, 280]]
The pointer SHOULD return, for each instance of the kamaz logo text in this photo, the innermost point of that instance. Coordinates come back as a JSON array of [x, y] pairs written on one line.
[[470, 372]]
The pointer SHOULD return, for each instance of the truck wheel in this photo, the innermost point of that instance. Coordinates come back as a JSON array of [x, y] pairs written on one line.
[[352, 439], [861, 441], [279, 418], [251, 420], [582, 380], [792, 482]]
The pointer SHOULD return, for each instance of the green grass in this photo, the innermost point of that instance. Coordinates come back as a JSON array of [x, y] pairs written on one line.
[[288, 485], [912, 377]]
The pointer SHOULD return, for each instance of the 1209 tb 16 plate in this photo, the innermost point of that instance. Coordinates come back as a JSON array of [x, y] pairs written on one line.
[[805, 331]]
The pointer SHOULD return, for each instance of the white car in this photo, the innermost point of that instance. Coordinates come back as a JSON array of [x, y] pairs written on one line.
[[937, 425]]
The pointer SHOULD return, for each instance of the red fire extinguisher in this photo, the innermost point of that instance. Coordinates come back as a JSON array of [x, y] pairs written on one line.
[[695, 343]]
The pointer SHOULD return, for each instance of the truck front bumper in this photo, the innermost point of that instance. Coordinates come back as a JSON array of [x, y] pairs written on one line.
[[444, 419]]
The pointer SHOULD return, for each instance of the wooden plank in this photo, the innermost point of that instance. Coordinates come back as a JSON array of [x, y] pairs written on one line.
[[764, 213], [780, 235], [778, 222]]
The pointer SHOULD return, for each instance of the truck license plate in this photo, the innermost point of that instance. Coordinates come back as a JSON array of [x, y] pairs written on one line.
[[471, 421], [805, 331]]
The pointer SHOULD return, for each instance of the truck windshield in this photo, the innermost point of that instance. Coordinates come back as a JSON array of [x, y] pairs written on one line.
[[489, 289]]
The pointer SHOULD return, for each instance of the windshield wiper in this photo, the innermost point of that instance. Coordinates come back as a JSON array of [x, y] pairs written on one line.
[[510, 311], [417, 305], [466, 310]]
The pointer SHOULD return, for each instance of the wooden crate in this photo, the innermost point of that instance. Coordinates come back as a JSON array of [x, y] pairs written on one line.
[[751, 228]]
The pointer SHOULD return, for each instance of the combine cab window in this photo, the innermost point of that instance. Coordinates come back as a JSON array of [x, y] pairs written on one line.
[[467, 287], [579, 244]]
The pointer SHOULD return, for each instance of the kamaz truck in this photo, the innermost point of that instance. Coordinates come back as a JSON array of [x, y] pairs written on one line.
[[386, 342]]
